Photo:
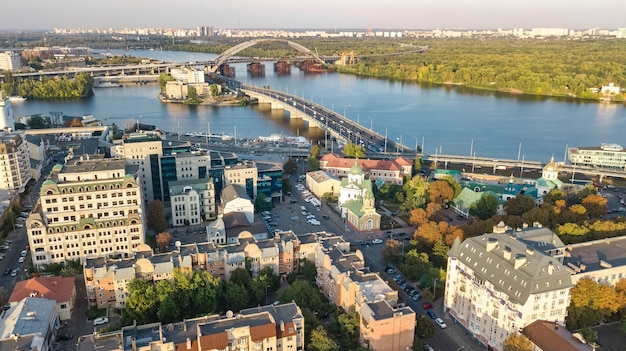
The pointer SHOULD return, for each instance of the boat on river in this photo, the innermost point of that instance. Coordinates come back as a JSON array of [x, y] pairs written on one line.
[[107, 85], [17, 99]]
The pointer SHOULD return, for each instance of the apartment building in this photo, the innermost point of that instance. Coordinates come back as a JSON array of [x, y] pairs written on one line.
[[62, 290], [392, 171], [343, 278], [7, 119], [106, 279], [273, 327], [192, 201], [31, 324], [10, 61], [497, 284], [244, 174], [87, 208], [15, 171]]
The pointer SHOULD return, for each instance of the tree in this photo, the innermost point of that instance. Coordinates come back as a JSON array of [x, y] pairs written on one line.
[[415, 191], [163, 240], [214, 90], [596, 205], [393, 248], [163, 79], [156, 216], [308, 270], [235, 296], [417, 166], [241, 276], [349, 328], [517, 342], [287, 187], [485, 208], [192, 93], [303, 294], [314, 163], [440, 192], [38, 122], [316, 150], [320, 341], [353, 151], [418, 217], [75, 123], [600, 297], [260, 203], [425, 328], [290, 167]]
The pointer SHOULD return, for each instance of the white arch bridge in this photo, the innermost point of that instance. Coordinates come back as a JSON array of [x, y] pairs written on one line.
[[222, 58]]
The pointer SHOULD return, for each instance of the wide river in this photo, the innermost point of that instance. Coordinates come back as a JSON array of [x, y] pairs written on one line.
[[448, 120]]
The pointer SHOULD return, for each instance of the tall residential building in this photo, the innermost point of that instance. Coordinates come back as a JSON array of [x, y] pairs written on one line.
[[7, 120], [14, 161], [192, 201], [10, 61], [244, 174], [497, 284], [87, 208]]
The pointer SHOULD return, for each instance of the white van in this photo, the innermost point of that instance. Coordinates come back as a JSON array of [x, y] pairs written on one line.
[[303, 208]]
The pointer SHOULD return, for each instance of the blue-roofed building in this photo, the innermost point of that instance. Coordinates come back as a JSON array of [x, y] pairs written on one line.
[[31, 324]]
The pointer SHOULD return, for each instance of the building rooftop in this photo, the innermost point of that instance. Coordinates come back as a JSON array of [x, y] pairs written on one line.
[[382, 310], [30, 316], [58, 289], [596, 255], [550, 336]]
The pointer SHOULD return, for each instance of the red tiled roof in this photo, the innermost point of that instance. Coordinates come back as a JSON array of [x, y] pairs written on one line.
[[183, 346], [367, 165], [261, 332], [214, 341], [285, 333], [58, 289]]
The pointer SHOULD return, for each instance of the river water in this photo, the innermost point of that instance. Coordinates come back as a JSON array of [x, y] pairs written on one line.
[[446, 119]]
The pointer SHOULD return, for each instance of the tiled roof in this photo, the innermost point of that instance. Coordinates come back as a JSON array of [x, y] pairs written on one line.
[[550, 336], [58, 289], [334, 161]]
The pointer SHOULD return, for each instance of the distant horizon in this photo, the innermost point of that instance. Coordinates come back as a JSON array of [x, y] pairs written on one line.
[[43, 15]]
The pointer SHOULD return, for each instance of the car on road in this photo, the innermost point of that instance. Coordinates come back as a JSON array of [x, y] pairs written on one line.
[[427, 306], [390, 270], [440, 323], [7, 271], [377, 241], [293, 201], [416, 297], [22, 259], [14, 272], [325, 217], [428, 348], [100, 321], [431, 314], [24, 253], [295, 218]]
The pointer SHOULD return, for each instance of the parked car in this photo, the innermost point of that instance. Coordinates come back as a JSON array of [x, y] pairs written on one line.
[[416, 297], [21, 259], [65, 337], [440, 323], [427, 306], [428, 348], [397, 277], [24, 253], [377, 241], [100, 320], [431, 314], [390, 270], [325, 217]]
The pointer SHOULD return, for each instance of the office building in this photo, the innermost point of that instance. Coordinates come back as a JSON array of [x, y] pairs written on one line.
[[15, 170], [192, 201], [611, 156]]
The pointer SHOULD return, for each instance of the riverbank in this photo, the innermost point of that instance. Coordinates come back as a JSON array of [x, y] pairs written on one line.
[[220, 102]]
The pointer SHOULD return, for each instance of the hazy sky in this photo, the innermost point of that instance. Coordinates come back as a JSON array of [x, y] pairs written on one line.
[[317, 14]]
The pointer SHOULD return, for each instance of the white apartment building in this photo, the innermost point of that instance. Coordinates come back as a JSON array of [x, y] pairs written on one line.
[[10, 61], [244, 174], [88, 208], [498, 284], [7, 120], [14, 161], [192, 201]]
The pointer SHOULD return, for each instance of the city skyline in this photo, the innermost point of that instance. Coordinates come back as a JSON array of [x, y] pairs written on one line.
[[324, 14]]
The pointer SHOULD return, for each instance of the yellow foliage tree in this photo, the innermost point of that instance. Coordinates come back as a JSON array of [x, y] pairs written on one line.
[[517, 342]]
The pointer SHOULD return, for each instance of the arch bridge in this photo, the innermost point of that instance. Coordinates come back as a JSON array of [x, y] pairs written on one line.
[[221, 59]]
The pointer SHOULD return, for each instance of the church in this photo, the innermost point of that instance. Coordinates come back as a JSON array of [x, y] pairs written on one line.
[[356, 201]]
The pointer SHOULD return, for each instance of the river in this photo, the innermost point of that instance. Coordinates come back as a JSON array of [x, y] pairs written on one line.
[[446, 119]]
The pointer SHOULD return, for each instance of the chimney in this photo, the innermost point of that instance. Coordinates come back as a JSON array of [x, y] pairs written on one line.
[[520, 259], [188, 344], [282, 326], [550, 268], [492, 243], [507, 253], [134, 344]]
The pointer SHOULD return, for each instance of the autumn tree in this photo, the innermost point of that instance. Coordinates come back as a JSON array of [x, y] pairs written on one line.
[[393, 248], [597, 296], [163, 240], [596, 205], [352, 150], [440, 192], [418, 217], [416, 191], [75, 123], [156, 216], [517, 342], [316, 150]]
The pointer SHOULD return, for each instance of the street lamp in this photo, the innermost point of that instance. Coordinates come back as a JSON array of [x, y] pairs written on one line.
[[266, 286], [434, 289]]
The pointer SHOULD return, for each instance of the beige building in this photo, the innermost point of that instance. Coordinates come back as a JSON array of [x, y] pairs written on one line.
[[345, 281], [321, 182], [497, 284], [15, 171], [244, 174], [62, 290], [10, 61], [87, 208], [192, 201]]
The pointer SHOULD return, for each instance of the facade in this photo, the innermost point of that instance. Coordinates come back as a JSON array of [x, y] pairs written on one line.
[[345, 281], [322, 182], [38, 148], [392, 171], [15, 171], [244, 174], [88, 208], [192, 201], [10, 61], [31, 324], [62, 290], [356, 201], [236, 199], [611, 156], [497, 284], [270, 181]]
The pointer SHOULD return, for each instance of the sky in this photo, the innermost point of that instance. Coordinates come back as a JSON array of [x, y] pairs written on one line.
[[317, 14]]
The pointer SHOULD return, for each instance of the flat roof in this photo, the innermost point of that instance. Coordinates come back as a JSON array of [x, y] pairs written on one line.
[[597, 255]]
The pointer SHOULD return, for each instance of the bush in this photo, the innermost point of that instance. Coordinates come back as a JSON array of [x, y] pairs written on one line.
[[94, 313]]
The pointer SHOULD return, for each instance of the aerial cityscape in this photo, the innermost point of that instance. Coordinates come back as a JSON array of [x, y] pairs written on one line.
[[395, 176]]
